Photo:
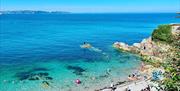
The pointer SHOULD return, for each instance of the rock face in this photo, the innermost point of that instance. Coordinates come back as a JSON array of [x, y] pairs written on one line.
[[121, 45], [147, 48], [175, 28], [155, 50], [160, 53]]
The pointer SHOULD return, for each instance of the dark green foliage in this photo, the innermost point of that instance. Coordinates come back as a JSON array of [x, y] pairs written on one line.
[[172, 77], [171, 65], [162, 33], [172, 84]]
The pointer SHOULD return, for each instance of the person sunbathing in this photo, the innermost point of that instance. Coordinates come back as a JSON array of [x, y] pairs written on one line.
[[132, 78]]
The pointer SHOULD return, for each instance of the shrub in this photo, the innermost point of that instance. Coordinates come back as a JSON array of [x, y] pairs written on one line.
[[162, 33]]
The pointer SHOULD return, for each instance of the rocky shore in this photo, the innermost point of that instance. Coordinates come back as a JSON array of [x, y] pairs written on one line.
[[147, 49], [160, 53], [153, 50]]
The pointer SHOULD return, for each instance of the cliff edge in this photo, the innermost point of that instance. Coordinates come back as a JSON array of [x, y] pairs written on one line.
[[162, 49]]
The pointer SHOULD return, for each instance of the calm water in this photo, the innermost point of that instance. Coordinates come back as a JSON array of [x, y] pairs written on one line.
[[34, 44]]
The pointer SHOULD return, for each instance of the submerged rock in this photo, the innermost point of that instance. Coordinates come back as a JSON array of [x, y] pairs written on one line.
[[23, 75], [45, 84], [48, 78], [42, 74], [33, 76], [76, 70]]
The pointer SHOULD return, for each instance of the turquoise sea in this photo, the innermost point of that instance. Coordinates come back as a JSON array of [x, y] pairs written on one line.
[[37, 50]]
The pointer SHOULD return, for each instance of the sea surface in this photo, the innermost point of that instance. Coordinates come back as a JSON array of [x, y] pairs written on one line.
[[41, 52]]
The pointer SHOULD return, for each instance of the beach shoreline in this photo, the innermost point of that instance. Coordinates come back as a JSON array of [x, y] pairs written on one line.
[[136, 85], [155, 54]]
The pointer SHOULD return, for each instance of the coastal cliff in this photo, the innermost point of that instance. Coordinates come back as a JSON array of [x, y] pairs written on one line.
[[162, 49]]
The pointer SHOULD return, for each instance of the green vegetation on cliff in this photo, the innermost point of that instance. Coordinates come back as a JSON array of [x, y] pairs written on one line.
[[162, 33], [161, 50]]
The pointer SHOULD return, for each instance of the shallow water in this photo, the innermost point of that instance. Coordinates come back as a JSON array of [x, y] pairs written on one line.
[[49, 46]]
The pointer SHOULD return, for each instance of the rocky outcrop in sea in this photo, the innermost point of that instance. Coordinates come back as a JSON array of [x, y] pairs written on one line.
[[151, 50]]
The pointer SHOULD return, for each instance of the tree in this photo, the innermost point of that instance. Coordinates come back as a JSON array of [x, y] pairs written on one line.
[[162, 33]]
